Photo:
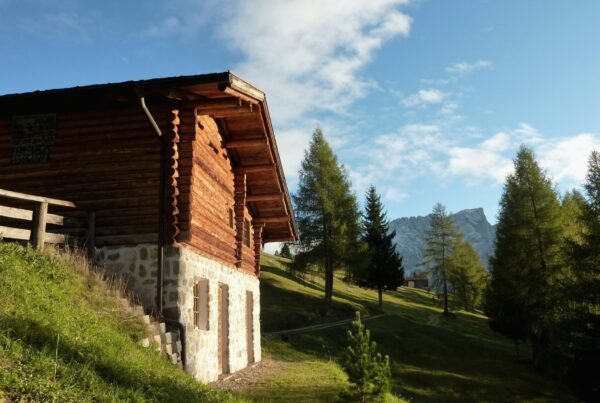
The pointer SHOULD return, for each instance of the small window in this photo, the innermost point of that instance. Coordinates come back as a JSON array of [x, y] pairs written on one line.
[[31, 138], [247, 233], [231, 218], [201, 305]]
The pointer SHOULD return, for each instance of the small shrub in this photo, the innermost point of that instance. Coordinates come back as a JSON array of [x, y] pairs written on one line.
[[368, 371]]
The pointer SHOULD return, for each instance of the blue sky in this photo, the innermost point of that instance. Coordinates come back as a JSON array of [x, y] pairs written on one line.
[[426, 99]]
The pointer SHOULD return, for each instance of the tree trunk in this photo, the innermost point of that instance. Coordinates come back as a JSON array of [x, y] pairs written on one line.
[[328, 286], [380, 291], [517, 350], [444, 275]]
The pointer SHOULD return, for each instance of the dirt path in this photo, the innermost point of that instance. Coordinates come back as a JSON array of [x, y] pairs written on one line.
[[324, 325], [247, 378]]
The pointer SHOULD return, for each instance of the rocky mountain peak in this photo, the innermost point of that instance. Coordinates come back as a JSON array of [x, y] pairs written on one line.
[[411, 233]]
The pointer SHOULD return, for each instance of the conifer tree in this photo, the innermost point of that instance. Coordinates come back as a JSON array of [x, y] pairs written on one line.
[[582, 319], [572, 207], [527, 257], [383, 270], [286, 251], [466, 274], [439, 244], [326, 212], [368, 371]]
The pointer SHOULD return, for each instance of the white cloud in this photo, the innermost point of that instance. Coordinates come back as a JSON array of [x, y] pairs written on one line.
[[423, 97], [499, 142], [478, 163], [567, 158], [466, 67], [307, 60]]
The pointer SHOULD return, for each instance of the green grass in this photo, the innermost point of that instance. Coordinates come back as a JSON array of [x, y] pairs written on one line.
[[434, 359], [63, 338]]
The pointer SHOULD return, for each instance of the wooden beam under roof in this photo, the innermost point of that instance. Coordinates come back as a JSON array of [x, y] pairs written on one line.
[[256, 168], [265, 197], [250, 142], [272, 219], [221, 113]]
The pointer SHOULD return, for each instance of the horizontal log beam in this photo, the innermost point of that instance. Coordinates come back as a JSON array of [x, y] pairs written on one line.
[[267, 239], [265, 197], [15, 233], [256, 168], [271, 219], [252, 142], [27, 215], [25, 234], [22, 196]]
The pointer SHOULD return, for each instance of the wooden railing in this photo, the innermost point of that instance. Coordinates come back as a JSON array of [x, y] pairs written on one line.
[[27, 218]]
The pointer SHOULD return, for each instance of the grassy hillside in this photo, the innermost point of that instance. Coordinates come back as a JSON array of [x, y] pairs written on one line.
[[63, 338], [433, 359]]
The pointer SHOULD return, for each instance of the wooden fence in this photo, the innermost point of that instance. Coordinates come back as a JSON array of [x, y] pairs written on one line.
[[27, 218]]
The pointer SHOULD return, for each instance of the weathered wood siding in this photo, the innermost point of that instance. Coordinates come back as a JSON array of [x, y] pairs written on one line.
[[106, 160], [206, 191]]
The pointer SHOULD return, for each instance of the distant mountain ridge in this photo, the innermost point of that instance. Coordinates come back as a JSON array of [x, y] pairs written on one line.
[[411, 233]]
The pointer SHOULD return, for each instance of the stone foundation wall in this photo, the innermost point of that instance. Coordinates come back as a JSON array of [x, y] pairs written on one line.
[[183, 268]]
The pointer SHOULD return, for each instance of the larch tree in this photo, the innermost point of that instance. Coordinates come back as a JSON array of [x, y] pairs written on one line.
[[439, 245], [286, 252], [384, 270], [466, 274], [527, 257], [327, 212], [582, 318]]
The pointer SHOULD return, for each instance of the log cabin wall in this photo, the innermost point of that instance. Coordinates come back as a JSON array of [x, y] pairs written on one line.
[[107, 160], [207, 212]]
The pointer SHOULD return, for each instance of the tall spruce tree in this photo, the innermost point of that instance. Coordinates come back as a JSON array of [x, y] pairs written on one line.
[[439, 244], [527, 257], [384, 270], [466, 274], [582, 318], [326, 212], [572, 207]]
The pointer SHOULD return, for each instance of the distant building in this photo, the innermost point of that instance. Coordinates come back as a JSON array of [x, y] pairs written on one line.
[[417, 281]]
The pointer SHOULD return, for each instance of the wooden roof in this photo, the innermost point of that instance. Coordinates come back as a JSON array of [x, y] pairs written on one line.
[[239, 108]]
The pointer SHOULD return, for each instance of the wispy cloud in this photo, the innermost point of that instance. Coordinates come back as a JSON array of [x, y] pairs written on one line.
[[307, 60], [424, 97], [566, 158], [467, 67]]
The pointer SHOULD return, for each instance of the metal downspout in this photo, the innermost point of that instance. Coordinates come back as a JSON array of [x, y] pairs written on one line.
[[161, 231]]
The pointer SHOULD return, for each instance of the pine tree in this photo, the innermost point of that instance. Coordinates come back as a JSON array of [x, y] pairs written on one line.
[[572, 207], [466, 275], [383, 270], [581, 321], [527, 257], [440, 241], [367, 370], [326, 212], [285, 251]]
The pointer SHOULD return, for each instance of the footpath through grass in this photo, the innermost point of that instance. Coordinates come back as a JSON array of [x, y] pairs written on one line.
[[433, 359], [63, 338]]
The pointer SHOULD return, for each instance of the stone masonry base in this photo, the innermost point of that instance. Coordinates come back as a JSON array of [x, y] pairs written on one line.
[[183, 269]]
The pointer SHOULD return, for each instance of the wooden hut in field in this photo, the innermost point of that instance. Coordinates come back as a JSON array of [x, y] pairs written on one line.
[[186, 185], [417, 281]]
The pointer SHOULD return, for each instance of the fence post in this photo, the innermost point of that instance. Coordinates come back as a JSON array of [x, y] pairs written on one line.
[[38, 232], [91, 235]]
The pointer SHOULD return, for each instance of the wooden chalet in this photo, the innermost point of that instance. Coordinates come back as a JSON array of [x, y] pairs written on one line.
[[185, 183], [417, 281]]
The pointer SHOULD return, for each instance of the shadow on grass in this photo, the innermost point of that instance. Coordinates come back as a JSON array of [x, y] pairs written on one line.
[[118, 368], [431, 364]]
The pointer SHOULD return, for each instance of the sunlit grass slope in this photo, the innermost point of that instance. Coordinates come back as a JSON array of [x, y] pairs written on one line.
[[433, 359], [63, 338]]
